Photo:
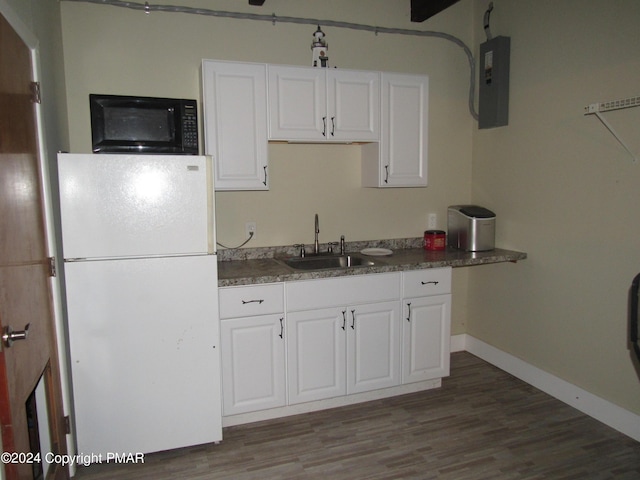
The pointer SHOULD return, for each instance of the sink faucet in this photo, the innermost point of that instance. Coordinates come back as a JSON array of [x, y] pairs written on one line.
[[316, 245]]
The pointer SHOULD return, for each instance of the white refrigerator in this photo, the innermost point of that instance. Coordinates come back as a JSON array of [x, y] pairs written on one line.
[[142, 301]]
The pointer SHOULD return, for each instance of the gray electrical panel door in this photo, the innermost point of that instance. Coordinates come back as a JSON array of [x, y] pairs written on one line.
[[493, 103]]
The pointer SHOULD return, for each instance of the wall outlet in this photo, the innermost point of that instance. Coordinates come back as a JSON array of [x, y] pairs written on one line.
[[250, 228], [432, 221]]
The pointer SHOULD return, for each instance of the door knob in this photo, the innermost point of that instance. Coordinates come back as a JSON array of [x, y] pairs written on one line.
[[9, 335]]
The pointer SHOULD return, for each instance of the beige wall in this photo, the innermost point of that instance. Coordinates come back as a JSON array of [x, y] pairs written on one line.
[[563, 189], [566, 193], [121, 51], [116, 50]]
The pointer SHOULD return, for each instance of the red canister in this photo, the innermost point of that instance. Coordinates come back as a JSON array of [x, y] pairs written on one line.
[[435, 240]]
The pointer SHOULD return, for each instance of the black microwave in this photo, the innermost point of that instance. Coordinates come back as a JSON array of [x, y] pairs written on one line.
[[125, 124]]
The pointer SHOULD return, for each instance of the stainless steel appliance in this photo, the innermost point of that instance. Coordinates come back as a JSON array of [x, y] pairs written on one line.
[[471, 228]]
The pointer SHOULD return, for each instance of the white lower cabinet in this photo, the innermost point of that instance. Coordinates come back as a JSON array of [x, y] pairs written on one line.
[[253, 364], [339, 348], [373, 347], [341, 351], [316, 347], [426, 329], [252, 349], [340, 336]]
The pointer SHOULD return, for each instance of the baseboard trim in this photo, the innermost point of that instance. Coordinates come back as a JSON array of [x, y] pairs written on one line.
[[596, 407], [334, 402], [459, 343]]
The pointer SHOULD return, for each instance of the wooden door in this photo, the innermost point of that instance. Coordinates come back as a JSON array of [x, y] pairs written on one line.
[[25, 294]]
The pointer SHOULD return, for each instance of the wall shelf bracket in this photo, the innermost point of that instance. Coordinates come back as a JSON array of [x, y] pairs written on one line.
[[597, 108]]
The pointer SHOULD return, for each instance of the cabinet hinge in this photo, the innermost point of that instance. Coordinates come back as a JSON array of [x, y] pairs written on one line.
[[35, 92], [52, 266], [67, 424]]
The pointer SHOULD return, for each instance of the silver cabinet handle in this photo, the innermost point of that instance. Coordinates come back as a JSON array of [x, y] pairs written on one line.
[[386, 174], [333, 126], [432, 281], [353, 319], [9, 335], [324, 126], [265, 176], [281, 328], [409, 312], [344, 318]]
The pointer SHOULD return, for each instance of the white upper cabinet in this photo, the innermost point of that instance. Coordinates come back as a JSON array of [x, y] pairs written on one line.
[[247, 104], [235, 123], [323, 105], [297, 103], [400, 158], [353, 105]]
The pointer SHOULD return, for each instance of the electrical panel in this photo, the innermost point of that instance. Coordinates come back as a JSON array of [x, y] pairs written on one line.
[[493, 102]]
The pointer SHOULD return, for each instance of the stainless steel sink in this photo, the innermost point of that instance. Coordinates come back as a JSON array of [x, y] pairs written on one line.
[[321, 262]]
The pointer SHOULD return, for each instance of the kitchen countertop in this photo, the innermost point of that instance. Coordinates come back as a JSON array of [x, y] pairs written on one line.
[[256, 266]]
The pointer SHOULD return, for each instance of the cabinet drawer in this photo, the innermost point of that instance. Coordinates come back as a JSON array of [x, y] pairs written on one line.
[[430, 281], [251, 300], [340, 291]]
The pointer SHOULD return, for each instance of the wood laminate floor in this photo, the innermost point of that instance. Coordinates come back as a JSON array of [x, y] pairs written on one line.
[[482, 424]]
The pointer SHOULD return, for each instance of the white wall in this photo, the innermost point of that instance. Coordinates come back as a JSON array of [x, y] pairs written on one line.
[[121, 51], [565, 192]]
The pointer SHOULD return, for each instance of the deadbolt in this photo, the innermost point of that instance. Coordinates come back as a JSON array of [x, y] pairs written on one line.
[[9, 336]]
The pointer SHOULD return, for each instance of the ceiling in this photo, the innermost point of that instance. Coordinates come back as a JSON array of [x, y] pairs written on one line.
[[420, 9], [423, 9]]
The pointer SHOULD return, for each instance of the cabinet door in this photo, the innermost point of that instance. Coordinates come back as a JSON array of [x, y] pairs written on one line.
[[426, 339], [253, 363], [235, 124], [297, 103], [400, 159], [316, 354], [373, 346], [353, 105]]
